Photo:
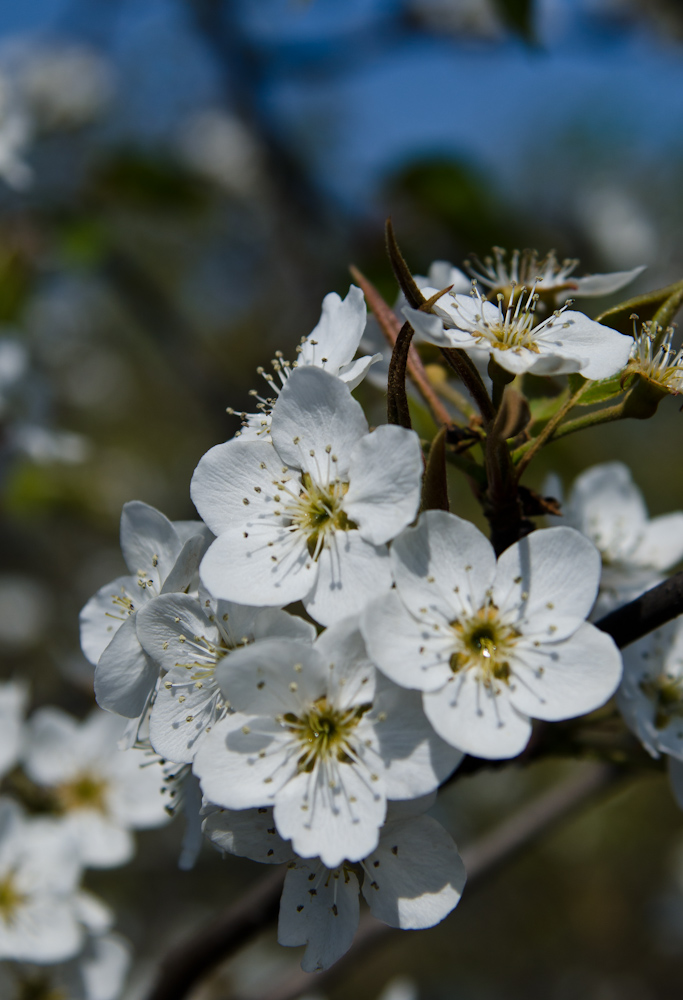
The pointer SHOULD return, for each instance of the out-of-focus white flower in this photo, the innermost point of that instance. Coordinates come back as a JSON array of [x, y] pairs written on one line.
[[64, 86], [492, 645], [330, 346], [316, 734], [606, 505], [101, 792], [162, 558], [618, 225], [508, 330], [97, 973], [218, 146], [13, 367], [15, 137], [25, 611], [13, 701], [40, 919], [188, 637], [307, 517]]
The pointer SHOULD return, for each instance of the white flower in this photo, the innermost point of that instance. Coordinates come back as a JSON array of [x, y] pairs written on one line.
[[492, 645], [162, 558], [607, 507], [39, 872], [188, 637], [316, 734], [412, 879], [101, 792], [15, 136], [13, 700], [566, 341], [65, 86], [97, 973], [650, 697], [330, 346], [555, 279], [308, 516]]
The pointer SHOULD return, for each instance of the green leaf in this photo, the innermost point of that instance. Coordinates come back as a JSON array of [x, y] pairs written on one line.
[[606, 388], [645, 306]]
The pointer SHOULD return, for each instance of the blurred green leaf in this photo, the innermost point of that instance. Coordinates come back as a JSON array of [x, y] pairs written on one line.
[[147, 181]]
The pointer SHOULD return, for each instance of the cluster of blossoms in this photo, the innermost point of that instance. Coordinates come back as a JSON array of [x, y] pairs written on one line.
[[311, 661], [69, 803]]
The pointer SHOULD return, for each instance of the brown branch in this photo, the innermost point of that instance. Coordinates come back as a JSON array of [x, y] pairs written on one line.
[[482, 859], [649, 611], [187, 963]]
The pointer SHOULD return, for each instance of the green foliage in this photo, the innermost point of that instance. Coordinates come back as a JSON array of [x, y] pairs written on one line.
[[606, 388], [147, 181]]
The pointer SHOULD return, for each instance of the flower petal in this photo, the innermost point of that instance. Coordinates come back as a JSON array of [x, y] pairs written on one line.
[[149, 541], [351, 572], [234, 484], [319, 909], [335, 339], [125, 675], [247, 833]]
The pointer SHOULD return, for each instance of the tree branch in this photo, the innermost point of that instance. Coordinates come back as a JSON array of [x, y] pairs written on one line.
[[649, 611]]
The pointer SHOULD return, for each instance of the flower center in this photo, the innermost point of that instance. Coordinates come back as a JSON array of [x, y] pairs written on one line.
[[318, 512], [85, 792], [667, 693], [325, 732], [10, 898], [483, 643]]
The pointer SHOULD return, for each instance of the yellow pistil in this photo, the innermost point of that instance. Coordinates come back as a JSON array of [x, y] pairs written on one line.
[[10, 898], [319, 511], [484, 643], [84, 792], [324, 732]]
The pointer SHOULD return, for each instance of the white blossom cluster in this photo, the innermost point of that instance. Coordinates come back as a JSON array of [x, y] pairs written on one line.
[[70, 801], [320, 656]]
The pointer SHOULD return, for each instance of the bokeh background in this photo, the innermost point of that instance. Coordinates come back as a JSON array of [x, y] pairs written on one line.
[[181, 181]]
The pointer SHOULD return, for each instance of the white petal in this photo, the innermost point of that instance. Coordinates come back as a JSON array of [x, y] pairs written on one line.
[[104, 967], [564, 679], [607, 506], [273, 676], [416, 759], [314, 419], [149, 541], [184, 572], [52, 752], [136, 798], [444, 565], [320, 909], [104, 614], [661, 543], [332, 814], [247, 833], [269, 567], [354, 373], [243, 770], [351, 678], [13, 702], [335, 339], [351, 572], [125, 675], [417, 875], [476, 718], [385, 476], [230, 474], [102, 843], [547, 582], [604, 284], [182, 715], [46, 931], [273, 622], [430, 327], [171, 629], [408, 651], [606, 350]]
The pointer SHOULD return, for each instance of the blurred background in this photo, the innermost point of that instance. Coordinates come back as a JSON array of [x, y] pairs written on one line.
[[181, 182]]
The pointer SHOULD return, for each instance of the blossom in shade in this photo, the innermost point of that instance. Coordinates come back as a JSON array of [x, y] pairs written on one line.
[[322, 738], [188, 637], [13, 700], [566, 341], [555, 279], [308, 516], [40, 919], [492, 645], [162, 557], [331, 346], [101, 792], [607, 506], [412, 879]]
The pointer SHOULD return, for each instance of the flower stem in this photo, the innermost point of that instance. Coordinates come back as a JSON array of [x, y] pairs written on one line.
[[524, 455], [605, 416]]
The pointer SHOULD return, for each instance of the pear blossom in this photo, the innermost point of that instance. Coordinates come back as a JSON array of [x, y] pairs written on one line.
[[566, 341], [307, 517], [40, 915], [492, 645], [162, 557], [101, 792], [556, 280], [412, 879], [330, 346], [654, 358], [188, 637], [316, 734], [607, 506]]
